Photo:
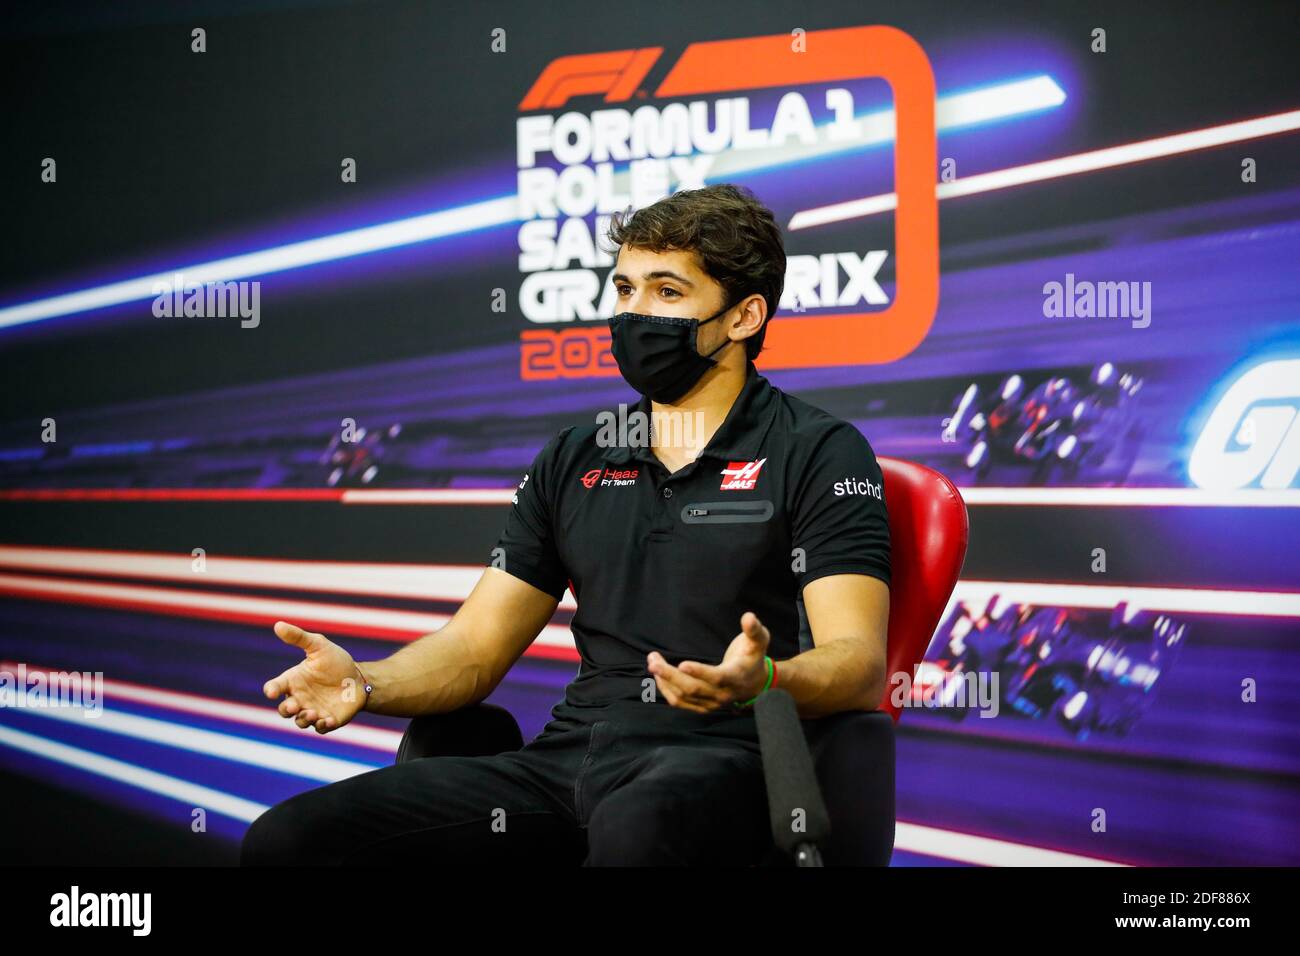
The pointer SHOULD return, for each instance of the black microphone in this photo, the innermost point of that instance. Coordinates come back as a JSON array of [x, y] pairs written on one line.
[[800, 822]]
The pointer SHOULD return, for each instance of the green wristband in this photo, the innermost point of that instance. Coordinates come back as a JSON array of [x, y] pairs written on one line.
[[767, 661]]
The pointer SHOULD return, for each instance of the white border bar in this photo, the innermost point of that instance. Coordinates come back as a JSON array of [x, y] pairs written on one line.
[[425, 582], [983, 851], [192, 794], [267, 717], [1088, 162], [1134, 497], [272, 609], [977, 594], [210, 743]]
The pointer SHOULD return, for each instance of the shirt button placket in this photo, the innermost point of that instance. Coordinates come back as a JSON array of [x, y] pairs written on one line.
[[663, 524]]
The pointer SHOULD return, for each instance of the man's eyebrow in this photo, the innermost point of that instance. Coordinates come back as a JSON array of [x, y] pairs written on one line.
[[657, 274]]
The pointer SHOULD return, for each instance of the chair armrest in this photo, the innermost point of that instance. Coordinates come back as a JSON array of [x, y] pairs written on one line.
[[853, 756], [479, 730]]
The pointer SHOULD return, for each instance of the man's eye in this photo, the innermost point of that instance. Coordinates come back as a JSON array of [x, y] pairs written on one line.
[[672, 290]]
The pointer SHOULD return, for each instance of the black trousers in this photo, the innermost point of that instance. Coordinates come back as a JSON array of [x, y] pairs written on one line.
[[608, 792]]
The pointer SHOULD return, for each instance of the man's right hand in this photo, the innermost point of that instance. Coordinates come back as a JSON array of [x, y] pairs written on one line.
[[325, 690]]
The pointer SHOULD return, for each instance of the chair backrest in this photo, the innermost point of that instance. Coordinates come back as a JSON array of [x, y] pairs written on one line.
[[928, 532]]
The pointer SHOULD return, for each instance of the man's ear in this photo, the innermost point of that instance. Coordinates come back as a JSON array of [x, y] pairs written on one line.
[[753, 315]]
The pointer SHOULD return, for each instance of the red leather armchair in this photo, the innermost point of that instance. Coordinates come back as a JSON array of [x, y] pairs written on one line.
[[928, 532]]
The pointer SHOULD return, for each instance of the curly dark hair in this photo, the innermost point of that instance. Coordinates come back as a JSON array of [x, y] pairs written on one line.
[[735, 237]]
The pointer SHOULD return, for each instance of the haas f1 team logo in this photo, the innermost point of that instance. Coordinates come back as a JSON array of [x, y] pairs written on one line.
[[741, 475], [610, 477]]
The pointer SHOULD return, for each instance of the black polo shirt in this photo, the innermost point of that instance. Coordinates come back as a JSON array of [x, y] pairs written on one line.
[[783, 493]]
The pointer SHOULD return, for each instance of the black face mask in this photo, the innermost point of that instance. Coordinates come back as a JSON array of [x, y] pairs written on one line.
[[657, 353]]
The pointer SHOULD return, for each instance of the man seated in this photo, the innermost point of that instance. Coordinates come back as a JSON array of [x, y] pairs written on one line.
[[687, 552]]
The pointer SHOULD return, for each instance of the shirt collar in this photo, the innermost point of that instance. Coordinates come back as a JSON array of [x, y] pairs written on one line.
[[741, 433]]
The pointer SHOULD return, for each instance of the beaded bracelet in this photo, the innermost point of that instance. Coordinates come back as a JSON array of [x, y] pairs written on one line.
[[365, 682]]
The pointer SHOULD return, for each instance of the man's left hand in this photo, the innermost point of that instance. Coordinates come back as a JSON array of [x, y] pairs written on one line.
[[706, 688]]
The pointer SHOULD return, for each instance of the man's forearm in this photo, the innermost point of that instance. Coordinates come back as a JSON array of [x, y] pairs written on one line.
[[436, 674], [832, 677]]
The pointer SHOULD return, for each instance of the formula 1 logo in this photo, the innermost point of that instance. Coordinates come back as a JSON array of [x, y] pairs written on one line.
[[741, 475], [554, 205], [1253, 434], [616, 74]]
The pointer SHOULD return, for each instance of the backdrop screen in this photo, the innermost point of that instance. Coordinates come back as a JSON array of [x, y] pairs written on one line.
[[288, 307]]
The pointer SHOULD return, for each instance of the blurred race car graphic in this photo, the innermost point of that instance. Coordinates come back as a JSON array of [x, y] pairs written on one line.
[[1054, 432], [357, 463], [1066, 664]]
